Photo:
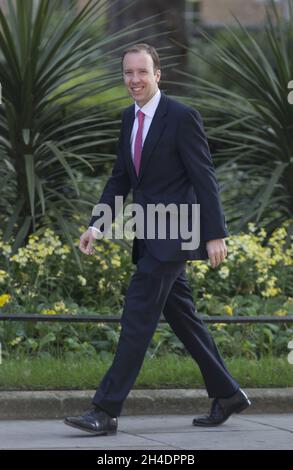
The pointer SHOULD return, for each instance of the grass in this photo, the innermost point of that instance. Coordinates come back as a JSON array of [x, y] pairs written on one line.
[[170, 371]]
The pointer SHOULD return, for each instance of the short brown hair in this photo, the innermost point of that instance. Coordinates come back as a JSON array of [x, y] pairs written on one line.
[[143, 47]]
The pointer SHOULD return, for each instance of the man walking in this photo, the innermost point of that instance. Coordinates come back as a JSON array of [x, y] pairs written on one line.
[[163, 156]]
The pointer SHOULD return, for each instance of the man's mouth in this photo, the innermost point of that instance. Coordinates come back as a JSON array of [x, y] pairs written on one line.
[[136, 89]]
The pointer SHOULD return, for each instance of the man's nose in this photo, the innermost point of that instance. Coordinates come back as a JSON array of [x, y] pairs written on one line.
[[135, 78]]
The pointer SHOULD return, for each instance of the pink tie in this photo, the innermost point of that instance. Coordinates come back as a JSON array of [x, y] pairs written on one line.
[[138, 142]]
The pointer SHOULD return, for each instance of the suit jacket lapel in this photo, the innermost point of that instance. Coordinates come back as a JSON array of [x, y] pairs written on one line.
[[157, 126], [129, 120]]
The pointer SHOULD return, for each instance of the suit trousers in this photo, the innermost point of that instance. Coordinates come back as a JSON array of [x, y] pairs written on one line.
[[159, 287]]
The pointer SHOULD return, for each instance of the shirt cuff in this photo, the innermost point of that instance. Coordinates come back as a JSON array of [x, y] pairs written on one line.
[[96, 232], [95, 228]]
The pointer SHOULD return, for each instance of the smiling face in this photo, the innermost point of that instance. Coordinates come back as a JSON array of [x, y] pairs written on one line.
[[140, 78]]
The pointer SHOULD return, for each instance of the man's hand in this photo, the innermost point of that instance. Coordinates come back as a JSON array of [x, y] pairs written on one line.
[[86, 242], [217, 251]]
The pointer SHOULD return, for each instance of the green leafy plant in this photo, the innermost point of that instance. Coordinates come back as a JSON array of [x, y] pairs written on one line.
[[49, 63], [255, 279], [251, 125]]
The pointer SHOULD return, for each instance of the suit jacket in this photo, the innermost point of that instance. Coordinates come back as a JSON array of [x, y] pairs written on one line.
[[176, 167]]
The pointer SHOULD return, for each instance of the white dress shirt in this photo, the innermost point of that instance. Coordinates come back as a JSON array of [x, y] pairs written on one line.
[[149, 110]]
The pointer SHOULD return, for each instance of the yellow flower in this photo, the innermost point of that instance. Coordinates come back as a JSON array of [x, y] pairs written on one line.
[[48, 311], [82, 280], [224, 272], [3, 276], [103, 265], [271, 292], [15, 342], [6, 249], [20, 257], [281, 313], [207, 296], [251, 227], [229, 310], [220, 326], [199, 275], [115, 261], [4, 299], [101, 283], [202, 267], [262, 234], [60, 307]]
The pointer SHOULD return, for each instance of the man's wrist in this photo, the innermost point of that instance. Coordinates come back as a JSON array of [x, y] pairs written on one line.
[[96, 232], [95, 228]]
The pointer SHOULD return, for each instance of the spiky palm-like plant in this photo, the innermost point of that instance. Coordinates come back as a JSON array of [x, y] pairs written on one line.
[[47, 65], [252, 125]]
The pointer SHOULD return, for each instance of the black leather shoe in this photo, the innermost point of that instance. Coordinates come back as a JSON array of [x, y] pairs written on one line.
[[96, 422], [222, 408]]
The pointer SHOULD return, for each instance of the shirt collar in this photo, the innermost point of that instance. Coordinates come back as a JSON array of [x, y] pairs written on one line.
[[150, 107]]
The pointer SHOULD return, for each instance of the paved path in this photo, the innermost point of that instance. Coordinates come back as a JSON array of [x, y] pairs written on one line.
[[173, 432]]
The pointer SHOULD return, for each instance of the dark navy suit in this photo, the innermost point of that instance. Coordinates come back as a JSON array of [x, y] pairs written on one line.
[[176, 167]]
